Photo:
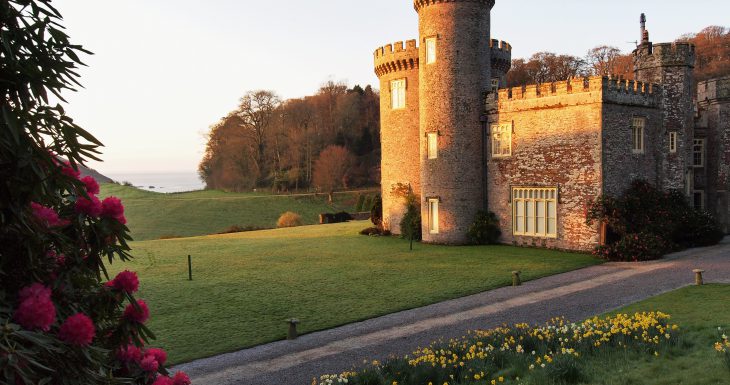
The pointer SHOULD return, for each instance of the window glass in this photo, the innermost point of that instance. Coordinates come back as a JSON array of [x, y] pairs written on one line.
[[430, 50], [698, 153], [502, 140], [637, 133], [398, 93], [672, 142], [432, 145], [433, 211], [535, 212]]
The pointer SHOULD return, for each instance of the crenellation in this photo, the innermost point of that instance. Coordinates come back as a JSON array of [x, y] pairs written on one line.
[[419, 4], [398, 56]]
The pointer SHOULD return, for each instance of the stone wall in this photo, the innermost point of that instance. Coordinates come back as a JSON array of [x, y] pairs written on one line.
[[451, 99], [399, 129], [714, 124], [556, 142]]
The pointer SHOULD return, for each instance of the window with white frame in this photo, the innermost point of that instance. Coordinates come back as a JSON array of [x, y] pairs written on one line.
[[698, 153], [672, 142], [637, 135], [535, 211], [433, 215], [398, 93], [432, 145], [502, 140], [430, 50], [698, 200]]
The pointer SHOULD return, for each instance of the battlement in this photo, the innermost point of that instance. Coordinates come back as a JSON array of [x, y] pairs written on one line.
[[593, 89], [501, 54], [714, 90], [418, 4], [396, 57], [665, 54]]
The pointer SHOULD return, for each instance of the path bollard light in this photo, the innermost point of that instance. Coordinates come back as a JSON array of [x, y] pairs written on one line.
[[698, 277], [516, 281], [291, 334]]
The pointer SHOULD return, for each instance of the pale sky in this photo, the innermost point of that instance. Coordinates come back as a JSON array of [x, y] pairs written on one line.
[[165, 70]]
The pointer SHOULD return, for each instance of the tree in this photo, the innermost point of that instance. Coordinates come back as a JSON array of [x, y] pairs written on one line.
[[712, 51], [63, 321], [331, 168], [256, 113], [602, 60]]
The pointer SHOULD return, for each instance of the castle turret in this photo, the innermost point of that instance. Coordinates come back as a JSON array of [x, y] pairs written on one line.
[[397, 67], [455, 75], [671, 65]]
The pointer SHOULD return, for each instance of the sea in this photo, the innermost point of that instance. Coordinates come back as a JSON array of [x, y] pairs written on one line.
[[167, 182]]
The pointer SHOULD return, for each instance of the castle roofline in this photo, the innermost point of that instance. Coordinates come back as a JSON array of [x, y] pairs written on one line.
[[419, 4], [396, 57]]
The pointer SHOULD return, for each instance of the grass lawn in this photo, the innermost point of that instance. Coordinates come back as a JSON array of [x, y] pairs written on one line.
[[246, 285], [699, 311], [154, 215]]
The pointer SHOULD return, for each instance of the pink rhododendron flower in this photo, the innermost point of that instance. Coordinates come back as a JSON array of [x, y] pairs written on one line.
[[159, 355], [89, 206], [130, 353], [181, 378], [92, 187], [126, 281], [149, 364], [36, 309], [59, 258], [47, 215], [77, 330], [69, 171], [140, 315], [112, 208], [162, 380]]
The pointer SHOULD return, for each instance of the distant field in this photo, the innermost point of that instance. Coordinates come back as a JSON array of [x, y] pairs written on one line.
[[154, 215], [245, 285]]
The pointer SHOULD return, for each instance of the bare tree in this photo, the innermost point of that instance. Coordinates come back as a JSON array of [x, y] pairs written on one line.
[[602, 60], [331, 168], [256, 113]]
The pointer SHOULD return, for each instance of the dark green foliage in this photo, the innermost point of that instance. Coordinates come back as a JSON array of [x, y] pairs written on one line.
[[367, 203], [410, 225], [485, 229], [360, 203], [646, 223], [376, 211]]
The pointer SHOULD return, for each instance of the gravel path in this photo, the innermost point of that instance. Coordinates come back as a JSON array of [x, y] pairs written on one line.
[[576, 295]]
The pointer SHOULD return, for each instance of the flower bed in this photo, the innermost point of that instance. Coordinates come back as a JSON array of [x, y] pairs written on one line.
[[553, 353]]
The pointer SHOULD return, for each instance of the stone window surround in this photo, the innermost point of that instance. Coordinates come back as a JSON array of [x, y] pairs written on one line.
[[640, 147], [435, 154], [698, 142], [672, 142], [556, 200], [431, 54], [430, 202], [404, 90], [497, 128]]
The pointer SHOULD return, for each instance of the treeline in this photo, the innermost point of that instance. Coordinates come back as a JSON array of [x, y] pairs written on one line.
[[712, 49], [326, 141]]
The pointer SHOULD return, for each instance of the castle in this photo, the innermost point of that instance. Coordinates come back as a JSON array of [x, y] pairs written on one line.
[[537, 155]]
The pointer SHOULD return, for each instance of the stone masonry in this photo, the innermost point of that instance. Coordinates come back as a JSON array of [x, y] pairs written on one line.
[[562, 144]]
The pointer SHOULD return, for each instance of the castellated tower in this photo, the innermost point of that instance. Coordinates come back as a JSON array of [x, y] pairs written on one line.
[[455, 76], [397, 68], [671, 65]]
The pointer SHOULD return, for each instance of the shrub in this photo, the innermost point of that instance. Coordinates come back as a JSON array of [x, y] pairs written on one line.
[[240, 229], [360, 203], [485, 229], [410, 225], [723, 347], [645, 223], [376, 211], [289, 219], [374, 231], [64, 321], [367, 204]]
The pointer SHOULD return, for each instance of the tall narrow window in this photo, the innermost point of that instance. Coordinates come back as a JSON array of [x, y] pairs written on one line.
[[637, 134], [672, 142], [698, 153], [398, 93], [495, 84], [433, 145], [698, 200], [534, 211], [502, 140], [430, 50], [433, 215]]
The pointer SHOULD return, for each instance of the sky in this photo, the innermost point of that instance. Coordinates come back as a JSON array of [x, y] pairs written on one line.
[[164, 71]]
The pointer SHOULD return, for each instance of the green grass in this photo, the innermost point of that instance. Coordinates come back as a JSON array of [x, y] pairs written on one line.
[[154, 215], [246, 285], [699, 311]]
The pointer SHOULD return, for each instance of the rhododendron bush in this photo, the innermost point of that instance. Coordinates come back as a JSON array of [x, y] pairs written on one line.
[[63, 320]]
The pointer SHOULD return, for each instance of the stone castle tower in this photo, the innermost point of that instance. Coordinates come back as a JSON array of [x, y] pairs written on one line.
[[671, 65], [433, 115]]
